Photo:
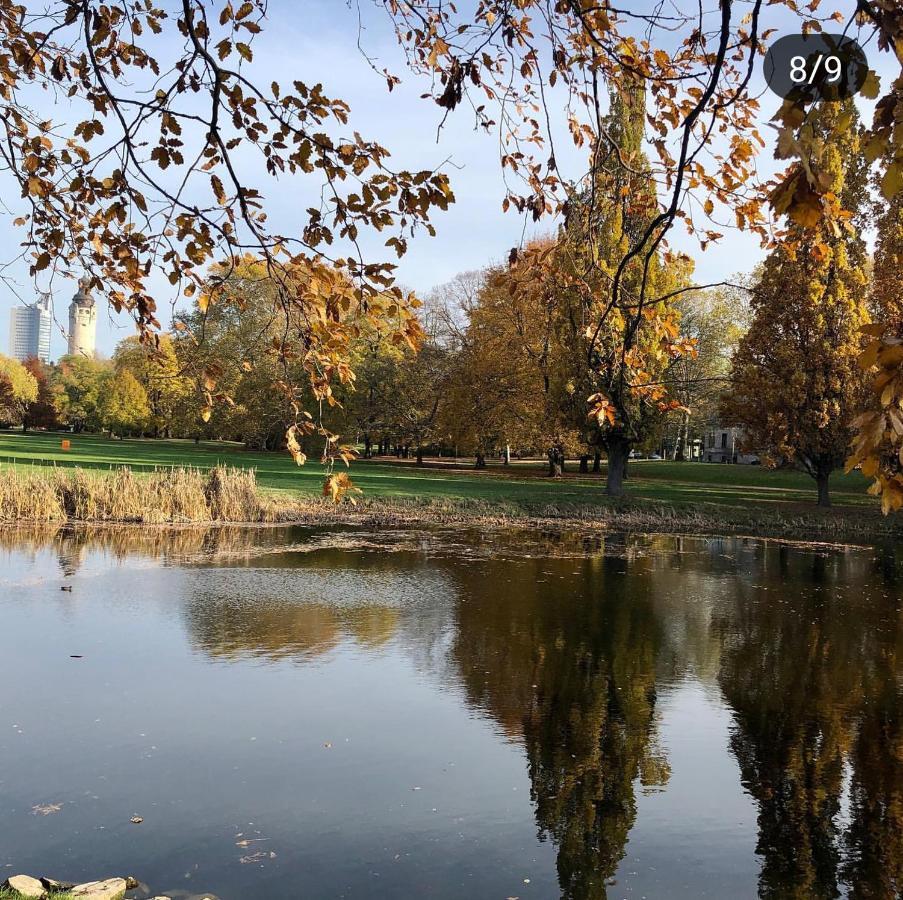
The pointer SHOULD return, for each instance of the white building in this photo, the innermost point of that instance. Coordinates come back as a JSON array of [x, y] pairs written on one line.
[[82, 323], [29, 330], [723, 445]]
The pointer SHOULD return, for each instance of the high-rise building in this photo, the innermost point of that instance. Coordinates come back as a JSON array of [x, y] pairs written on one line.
[[29, 330], [82, 322]]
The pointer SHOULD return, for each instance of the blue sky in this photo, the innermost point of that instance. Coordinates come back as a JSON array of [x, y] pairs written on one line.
[[317, 40]]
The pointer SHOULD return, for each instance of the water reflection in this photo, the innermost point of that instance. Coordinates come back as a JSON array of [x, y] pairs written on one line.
[[572, 673], [570, 645]]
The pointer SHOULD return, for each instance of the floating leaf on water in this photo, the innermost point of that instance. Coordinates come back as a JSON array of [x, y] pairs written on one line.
[[259, 856], [45, 809]]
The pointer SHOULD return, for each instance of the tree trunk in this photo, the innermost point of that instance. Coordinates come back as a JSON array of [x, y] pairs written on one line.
[[507, 454], [821, 479], [419, 455], [584, 463], [618, 450], [597, 462], [481, 461], [368, 447], [683, 428]]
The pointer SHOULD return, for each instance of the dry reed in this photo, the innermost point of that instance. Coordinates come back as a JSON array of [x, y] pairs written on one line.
[[161, 497]]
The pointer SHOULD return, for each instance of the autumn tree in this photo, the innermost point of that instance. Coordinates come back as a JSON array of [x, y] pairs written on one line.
[[619, 342], [796, 384], [887, 271], [160, 373], [369, 405], [78, 389], [18, 389], [124, 408], [137, 171], [879, 429], [507, 384], [236, 352], [417, 390], [40, 413]]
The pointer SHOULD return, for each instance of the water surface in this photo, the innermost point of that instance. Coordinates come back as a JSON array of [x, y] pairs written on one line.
[[341, 714]]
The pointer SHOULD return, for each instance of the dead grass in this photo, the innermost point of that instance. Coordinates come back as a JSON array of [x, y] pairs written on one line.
[[165, 496], [838, 524]]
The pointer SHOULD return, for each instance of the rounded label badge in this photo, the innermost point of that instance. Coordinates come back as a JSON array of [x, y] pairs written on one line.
[[811, 67]]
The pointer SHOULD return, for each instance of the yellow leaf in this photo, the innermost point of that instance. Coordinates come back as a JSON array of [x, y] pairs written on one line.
[[871, 86], [892, 182]]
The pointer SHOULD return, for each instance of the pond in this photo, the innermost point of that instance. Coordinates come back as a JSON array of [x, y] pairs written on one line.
[[302, 713]]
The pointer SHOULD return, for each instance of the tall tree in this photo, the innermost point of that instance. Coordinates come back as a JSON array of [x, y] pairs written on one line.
[[879, 429], [621, 340], [887, 272], [507, 385], [796, 383]]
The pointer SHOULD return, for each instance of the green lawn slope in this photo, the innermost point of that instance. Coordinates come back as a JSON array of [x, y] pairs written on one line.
[[524, 483]]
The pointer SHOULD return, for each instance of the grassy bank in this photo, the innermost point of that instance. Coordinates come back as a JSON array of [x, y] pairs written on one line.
[[181, 482], [524, 482]]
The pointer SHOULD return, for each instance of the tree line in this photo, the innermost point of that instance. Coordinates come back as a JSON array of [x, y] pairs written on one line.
[[512, 359], [98, 199]]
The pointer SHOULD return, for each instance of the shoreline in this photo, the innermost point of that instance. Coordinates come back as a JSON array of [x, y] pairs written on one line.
[[834, 525]]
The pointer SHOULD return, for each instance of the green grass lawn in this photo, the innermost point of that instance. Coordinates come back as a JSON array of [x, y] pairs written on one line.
[[522, 483]]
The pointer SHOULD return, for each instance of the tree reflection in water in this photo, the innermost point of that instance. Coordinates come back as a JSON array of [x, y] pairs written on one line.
[[808, 669], [567, 653], [569, 662]]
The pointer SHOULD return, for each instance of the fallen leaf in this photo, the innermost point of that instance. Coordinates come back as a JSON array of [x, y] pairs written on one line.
[[259, 856], [45, 809]]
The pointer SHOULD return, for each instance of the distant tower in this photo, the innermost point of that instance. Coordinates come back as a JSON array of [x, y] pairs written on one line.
[[82, 322], [29, 330]]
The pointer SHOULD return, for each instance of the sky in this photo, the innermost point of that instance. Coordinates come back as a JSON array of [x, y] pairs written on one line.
[[317, 40]]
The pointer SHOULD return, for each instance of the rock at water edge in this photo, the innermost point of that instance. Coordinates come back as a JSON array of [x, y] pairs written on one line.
[[25, 885], [111, 889]]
